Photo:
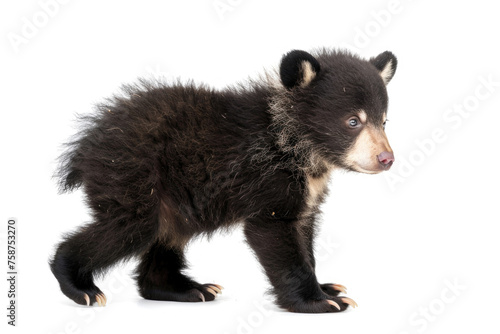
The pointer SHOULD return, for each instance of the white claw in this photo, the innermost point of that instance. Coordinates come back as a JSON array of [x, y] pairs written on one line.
[[349, 301], [87, 299], [212, 292], [202, 297], [215, 288], [331, 302], [339, 287]]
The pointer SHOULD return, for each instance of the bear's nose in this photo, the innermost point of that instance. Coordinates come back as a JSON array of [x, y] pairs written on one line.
[[386, 159]]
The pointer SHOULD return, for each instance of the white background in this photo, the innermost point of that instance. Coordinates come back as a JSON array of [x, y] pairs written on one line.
[[398, 240]]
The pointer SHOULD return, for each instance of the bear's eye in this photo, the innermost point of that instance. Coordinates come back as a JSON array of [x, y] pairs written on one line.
[[353, 122], [383, 124]]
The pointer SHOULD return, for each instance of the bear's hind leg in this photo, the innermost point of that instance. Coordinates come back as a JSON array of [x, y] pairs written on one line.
[[93, 249], [159, 277]]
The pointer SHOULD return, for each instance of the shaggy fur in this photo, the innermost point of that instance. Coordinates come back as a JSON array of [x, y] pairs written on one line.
[[162, 164]]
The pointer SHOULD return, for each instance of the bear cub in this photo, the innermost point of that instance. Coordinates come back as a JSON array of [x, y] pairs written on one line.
[[162, 163]]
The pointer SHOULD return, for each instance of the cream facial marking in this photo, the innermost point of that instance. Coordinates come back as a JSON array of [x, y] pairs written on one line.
[[370, 142], [362, 116]]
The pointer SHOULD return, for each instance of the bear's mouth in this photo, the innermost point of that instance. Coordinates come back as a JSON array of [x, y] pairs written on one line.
[[375, 169]]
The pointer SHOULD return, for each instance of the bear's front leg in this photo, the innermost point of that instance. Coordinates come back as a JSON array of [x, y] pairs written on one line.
[[307, 230], [283, 250]]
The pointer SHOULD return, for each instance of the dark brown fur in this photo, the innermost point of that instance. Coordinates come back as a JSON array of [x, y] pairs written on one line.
[[162, 164]]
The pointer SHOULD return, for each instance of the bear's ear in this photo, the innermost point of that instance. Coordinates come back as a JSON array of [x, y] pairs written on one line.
[[386, 63], [298, 68]]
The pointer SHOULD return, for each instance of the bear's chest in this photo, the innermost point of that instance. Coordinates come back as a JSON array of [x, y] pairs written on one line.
[[316, 188]]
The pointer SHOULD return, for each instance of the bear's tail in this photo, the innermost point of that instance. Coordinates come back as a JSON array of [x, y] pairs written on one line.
[[70, 171], [69, 175]]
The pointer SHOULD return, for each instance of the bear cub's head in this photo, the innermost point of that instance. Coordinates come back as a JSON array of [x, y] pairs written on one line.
[[341, 100]]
